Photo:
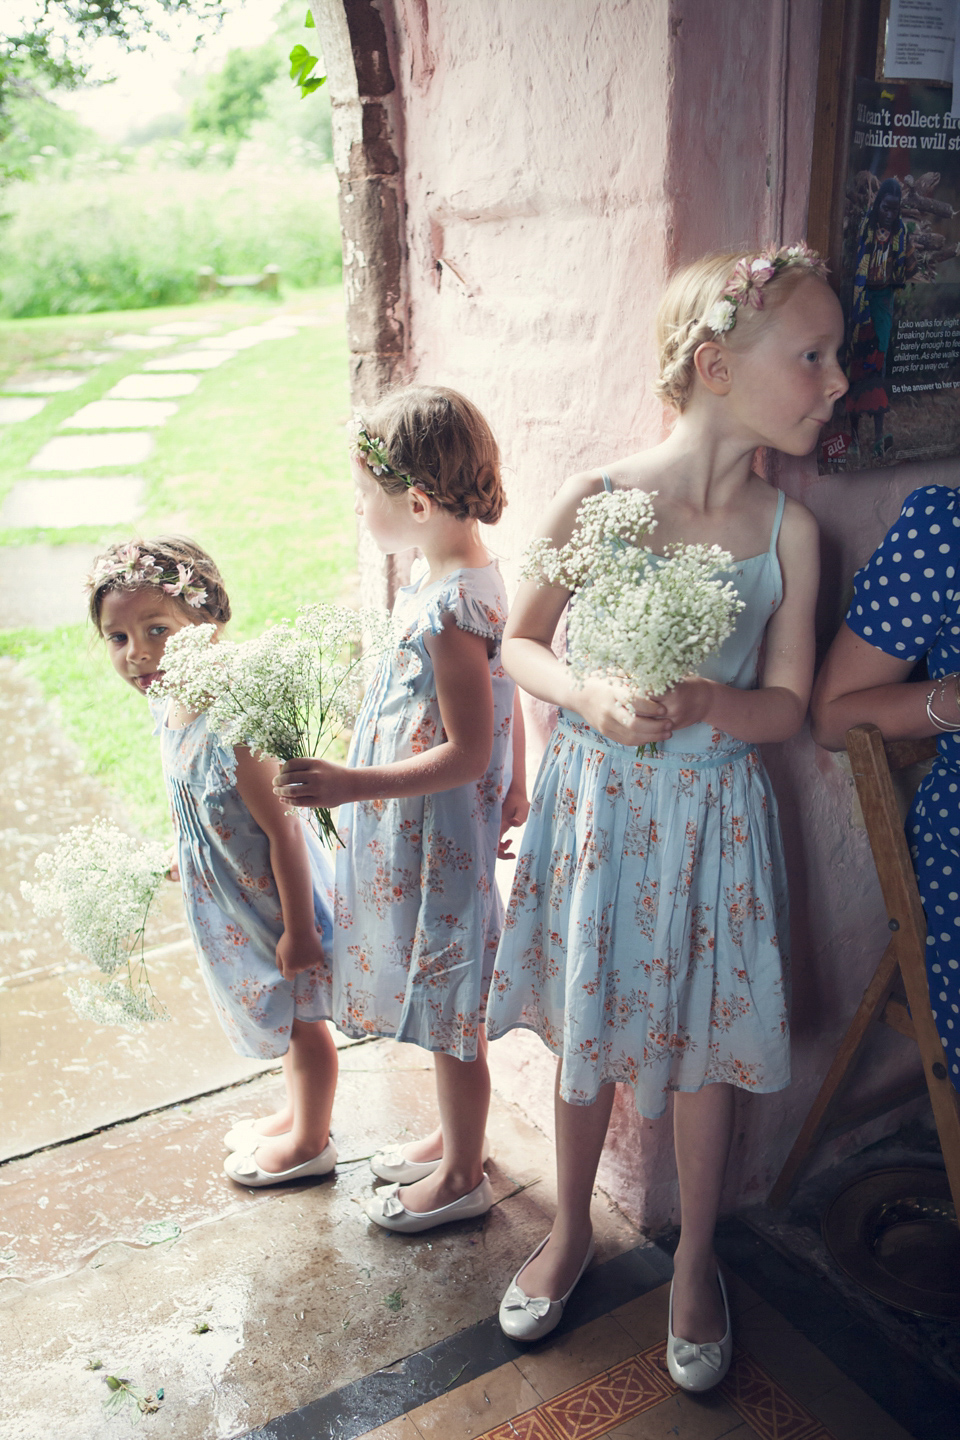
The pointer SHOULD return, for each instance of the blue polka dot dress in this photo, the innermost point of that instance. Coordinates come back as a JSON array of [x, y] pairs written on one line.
[[907, 602]]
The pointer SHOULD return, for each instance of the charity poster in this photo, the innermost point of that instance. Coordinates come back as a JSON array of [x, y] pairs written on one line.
[[899, 281]]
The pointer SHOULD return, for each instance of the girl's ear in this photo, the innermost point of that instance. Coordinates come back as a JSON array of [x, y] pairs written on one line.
[[711, 360], [421, 504]]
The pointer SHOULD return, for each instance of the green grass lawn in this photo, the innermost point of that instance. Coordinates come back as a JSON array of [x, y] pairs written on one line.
[[253, 466]]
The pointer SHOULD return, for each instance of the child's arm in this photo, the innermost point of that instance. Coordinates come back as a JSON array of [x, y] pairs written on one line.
[[299, 947], [607, 705], [777, 709], [516, 806], [461, 664]]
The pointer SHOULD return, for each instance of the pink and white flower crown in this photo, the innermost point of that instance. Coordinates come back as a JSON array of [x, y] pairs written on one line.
[[128, 567], [745, 286]]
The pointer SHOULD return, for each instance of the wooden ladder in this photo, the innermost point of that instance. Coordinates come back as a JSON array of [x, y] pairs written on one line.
[[903, 961]]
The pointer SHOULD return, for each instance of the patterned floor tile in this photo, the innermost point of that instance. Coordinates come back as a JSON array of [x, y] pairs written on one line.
[[765, 1405], [592, 1408], [531, 1426]]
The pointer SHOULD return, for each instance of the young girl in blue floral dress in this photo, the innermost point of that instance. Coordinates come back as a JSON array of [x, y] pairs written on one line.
[[257, 885], [430, 785], [645, 935]]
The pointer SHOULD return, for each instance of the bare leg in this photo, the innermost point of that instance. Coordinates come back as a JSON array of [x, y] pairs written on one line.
[[281, 1120], [581, 1131], [430, 1147], [463, 1096], [312, 1078], [702, 1128]]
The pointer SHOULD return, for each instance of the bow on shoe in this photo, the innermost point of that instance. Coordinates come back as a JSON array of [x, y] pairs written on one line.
[[247, 1166], [390, 1204], [685, 1352], [516, 1299]]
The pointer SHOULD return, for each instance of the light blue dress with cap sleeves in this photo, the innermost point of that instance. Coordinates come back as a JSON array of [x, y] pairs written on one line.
[[418, 913], [230, 896], [645, 936]]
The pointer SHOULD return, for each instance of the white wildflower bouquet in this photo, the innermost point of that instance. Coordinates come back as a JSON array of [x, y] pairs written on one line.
[[645, 619], [101, 882], [285, 694]]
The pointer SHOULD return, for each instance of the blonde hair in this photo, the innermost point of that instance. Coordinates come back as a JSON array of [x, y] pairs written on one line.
[[682, 316], [167, 551], [438, 440]]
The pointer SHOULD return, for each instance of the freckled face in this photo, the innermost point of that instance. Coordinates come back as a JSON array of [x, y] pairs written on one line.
[[387, 517], [786, 384], [135, 625]]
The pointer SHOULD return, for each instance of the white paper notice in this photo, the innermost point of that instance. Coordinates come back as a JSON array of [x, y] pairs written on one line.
[[920, 40]]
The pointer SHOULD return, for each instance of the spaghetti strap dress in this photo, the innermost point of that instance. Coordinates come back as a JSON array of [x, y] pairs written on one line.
[[645, 936], [231, 899]]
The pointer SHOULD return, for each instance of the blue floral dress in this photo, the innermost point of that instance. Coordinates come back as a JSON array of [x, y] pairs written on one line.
[[418, 913], [645, 936], [906, 602], [231, 899]]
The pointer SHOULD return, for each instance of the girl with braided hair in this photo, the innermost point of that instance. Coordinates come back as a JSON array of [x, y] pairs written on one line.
[[433, 779], [646, 932]]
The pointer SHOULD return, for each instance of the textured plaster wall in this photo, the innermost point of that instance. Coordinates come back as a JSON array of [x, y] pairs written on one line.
[[557, 159]]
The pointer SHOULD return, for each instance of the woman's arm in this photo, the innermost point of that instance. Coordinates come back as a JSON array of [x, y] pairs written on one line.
[[607, 705], [299, 947], [858, 684], [461, 663], [516, 806], [777, 709]]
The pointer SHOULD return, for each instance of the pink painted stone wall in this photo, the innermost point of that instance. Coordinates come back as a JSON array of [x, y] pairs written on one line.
[[557, 160]]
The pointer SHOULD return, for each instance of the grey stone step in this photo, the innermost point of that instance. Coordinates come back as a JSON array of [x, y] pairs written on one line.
[[190, 360], [186, 327], [43, 585], [45, 384], [93, 452], [141, 342], [153, 387], [80, 500], [120, 414], [12, 411]]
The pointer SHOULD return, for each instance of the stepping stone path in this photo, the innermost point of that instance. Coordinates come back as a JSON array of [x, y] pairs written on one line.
[[42, 585], [83, 500], [153, 387], [93, 452], [190, 360], [185, 327], [13, 410], [141, 342], [75, 358], [124, 414], [45, 384]]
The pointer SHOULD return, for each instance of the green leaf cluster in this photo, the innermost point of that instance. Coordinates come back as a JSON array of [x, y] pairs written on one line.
[[302, 63]]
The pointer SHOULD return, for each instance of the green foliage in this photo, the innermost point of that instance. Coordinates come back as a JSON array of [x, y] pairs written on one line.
[[36, 130], [301, 64], [137, 238], [233, 97]]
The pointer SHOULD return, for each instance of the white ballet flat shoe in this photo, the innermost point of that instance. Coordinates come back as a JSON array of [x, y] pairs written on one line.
[[387, 1209], [526, 1317], [393, 1165], [243, 1168], [244, 1135], [699, 1367]]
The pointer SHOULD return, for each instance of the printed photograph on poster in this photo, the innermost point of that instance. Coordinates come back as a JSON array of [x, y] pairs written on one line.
[[899, 281]]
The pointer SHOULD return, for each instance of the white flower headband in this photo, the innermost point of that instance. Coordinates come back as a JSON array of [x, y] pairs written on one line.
[[128, 567], [745, 286]]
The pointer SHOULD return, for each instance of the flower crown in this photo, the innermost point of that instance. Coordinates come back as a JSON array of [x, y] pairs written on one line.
[[128, 567], [745, 286], [372, 452]]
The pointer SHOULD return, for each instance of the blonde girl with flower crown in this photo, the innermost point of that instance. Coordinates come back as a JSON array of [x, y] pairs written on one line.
[[433, 779], [257, 885], [645, 937]]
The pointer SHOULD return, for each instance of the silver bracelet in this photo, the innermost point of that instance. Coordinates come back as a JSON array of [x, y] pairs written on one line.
[[935, 721]]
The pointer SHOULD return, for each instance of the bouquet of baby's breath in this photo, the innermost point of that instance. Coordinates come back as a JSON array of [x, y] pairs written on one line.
[[286, 694], [102, 883], [645, 619]]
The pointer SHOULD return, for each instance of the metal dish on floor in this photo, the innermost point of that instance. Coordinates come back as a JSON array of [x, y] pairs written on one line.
[[895, 1233]]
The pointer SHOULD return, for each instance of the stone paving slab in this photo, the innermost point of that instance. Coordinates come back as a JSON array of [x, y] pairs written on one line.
[[119, 414], [45, 384], [93, 452], [84, 500], [190, 360], [186, 327], [74, 358], [248, 336], [141, 342], [42, 585], [153, 387], [12, 411]]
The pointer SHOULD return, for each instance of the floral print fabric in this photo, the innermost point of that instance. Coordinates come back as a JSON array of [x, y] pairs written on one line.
[[231, 899], [418, 914], [906, 602], [645, 936]]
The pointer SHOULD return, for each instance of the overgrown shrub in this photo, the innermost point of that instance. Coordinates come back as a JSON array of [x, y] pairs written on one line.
[[96, 239]]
